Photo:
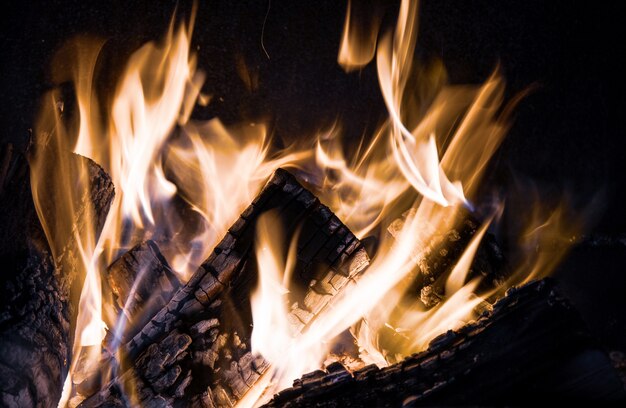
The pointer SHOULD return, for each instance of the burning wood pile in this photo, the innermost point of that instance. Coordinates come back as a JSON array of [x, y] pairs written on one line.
[[195, 350], [200, 266]]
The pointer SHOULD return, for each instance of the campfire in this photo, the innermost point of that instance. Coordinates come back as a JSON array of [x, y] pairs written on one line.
[[161, 259]]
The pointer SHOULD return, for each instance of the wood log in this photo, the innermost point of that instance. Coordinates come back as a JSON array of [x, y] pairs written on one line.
[[144, 275], [531, 349], [141, 282], [35, 309], [439, 247], [196, 350], [440, 250]]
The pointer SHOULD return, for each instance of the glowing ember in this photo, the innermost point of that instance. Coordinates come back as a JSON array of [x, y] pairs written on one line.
[[429, 156]]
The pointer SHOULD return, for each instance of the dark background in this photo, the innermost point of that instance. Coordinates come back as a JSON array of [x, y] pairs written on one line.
[[567, 134]]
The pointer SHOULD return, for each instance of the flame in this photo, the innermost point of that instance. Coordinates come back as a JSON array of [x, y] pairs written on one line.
[[269, 306], [547, 236], [429, 157], [358, 41], [288, 353], [414, 152]]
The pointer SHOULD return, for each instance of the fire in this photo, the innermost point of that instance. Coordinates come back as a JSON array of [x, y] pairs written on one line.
[[429, 157], [358, 41]]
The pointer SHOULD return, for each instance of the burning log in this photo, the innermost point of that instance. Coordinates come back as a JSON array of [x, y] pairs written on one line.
[[440, 253], [36, 315], [530, 349], [144, 274], [196, 350], [443, 243]]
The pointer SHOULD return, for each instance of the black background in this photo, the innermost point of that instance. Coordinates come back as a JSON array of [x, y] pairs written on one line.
[[567, 134]]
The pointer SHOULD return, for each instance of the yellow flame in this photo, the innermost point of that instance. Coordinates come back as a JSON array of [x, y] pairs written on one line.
[[201, 162], [549, 234], [458, 276], [358, 42], [269, 305], [288, 354]]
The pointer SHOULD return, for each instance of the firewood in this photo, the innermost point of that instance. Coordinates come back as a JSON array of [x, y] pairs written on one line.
[[531, 349], [35, 310], [141, 282], [438, 250], [206, 326], [145, 274], [441, 251]]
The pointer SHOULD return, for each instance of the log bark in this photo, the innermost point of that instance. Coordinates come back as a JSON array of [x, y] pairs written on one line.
[[196, 350], [35, 310], [531, 349]]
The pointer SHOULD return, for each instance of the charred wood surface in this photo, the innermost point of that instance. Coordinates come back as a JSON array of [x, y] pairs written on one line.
[[196, 350], [439, 251], [531, 349], [142, 283], [440, 243], [35, 310]]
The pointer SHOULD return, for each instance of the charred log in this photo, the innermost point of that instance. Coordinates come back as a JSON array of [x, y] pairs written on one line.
[[142, 283], [440, 251], [440, 245], [35, 310], [531, 349], [196, 350]]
